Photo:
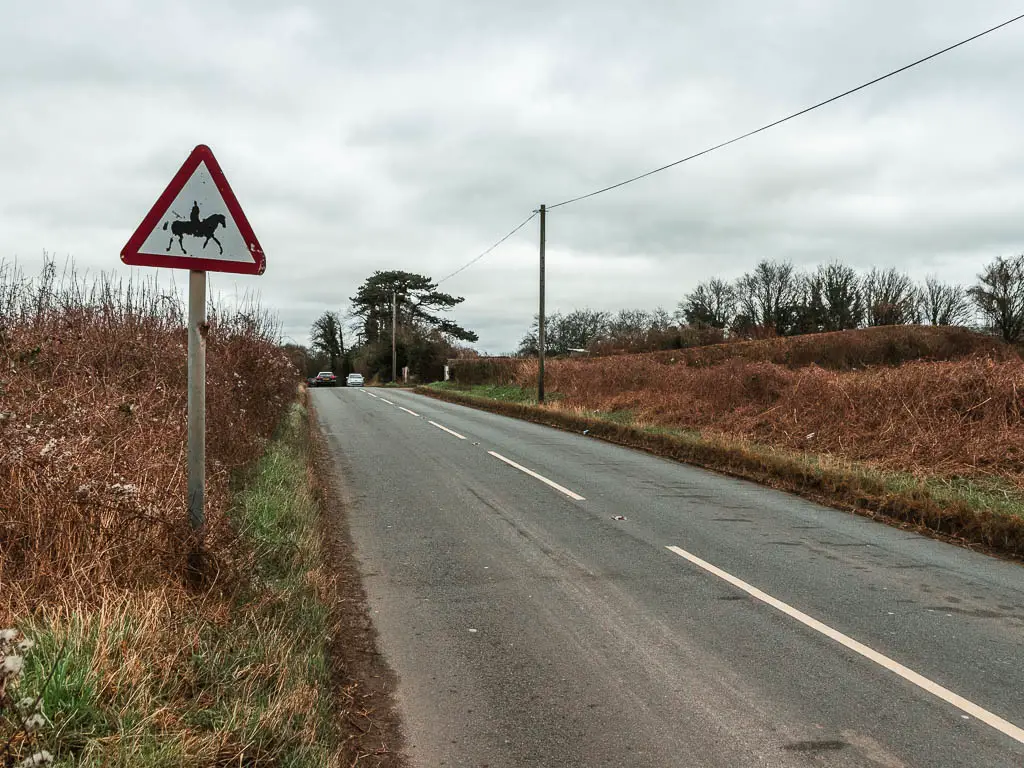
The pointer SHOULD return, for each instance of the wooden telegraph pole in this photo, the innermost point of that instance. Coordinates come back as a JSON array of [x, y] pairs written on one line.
[[540, 321], [394, 349]]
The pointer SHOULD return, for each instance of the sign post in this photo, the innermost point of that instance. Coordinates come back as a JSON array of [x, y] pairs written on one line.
[[196, 398], [198, 225]]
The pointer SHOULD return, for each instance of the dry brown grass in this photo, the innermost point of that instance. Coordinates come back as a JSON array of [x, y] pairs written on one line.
[[166, 676], [844, 350], [958, 412], [945, 418], [92, 422], [92, 432], [840, 350], [148, 669]]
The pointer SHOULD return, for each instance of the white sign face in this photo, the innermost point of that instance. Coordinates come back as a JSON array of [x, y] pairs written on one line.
[[198, 224]]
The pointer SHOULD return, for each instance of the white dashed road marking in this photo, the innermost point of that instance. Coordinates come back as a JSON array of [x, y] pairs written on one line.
[[449, 431], [385, 401], [543, 479], [407, 411], [922, 682]]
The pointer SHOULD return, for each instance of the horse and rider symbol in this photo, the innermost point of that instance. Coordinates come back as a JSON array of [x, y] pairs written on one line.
[[196, 227]]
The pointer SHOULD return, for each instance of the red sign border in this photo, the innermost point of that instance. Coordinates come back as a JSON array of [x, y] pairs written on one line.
[[201, 154]]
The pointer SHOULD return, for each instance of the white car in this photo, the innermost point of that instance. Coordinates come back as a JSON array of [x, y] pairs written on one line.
[[354, 380]]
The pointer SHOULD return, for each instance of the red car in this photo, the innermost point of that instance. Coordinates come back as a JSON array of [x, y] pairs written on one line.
[[325, 379]]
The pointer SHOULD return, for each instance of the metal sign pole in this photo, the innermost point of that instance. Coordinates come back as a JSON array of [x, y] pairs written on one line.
[[196, 398]]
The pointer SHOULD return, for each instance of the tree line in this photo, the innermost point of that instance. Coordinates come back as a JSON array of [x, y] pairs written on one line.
[[424, 337], [773, 299], [776, 299]]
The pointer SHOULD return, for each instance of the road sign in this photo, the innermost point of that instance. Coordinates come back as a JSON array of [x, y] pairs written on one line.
[[197, 224]]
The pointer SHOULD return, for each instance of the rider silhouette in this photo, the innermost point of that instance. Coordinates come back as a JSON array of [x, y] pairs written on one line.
[[194, 216]]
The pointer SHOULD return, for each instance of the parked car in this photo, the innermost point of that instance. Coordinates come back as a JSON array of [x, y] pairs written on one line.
[[325, 379], [354, 380]]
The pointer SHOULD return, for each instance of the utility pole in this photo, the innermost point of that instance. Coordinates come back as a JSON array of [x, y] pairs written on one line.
[[540, 320], [394, 352]]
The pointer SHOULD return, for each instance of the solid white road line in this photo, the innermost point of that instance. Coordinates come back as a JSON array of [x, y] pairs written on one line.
[[543, 479], [972, 709], [385, 401], [449, 431], [407, 411]]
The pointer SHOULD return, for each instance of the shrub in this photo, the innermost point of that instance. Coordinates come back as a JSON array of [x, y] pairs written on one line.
[[952, 418], [92, 430], [843, 350]]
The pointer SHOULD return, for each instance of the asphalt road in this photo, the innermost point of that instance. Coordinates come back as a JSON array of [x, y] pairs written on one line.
[[530, 627]]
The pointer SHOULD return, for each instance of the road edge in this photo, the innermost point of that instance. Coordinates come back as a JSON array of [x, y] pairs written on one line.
[[847, 491], [366, 684]]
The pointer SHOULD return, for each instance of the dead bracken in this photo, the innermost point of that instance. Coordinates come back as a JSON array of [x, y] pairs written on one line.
[[92, 494]]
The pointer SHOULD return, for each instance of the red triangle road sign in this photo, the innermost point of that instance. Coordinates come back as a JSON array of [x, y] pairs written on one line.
[[197, 224]]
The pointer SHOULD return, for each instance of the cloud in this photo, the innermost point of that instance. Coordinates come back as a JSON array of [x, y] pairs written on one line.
[[412, 136]]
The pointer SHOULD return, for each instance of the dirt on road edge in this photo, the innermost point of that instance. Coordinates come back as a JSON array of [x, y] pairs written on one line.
[[365, 684]]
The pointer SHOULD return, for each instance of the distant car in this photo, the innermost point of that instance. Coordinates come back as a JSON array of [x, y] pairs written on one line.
[[325, 379], [354, 380]]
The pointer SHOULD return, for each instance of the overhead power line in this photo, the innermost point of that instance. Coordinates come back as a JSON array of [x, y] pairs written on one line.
[[804, 111], [788, 117], [473, 261]]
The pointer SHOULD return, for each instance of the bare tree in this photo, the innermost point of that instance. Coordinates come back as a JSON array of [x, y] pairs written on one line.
[[661, 320], [327, 338], [529, 344], [890, 298], [630, 325], [834, 298], [710, 304], [637, 330], [944, 303], [768, 296], [562, 333], [581, 327], [999, 296]]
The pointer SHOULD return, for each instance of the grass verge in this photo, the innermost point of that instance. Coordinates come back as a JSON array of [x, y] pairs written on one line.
[[987, 516], [506, 393], [246, 677]]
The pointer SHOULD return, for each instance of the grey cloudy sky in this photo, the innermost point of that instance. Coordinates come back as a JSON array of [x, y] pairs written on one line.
[[412, 135]]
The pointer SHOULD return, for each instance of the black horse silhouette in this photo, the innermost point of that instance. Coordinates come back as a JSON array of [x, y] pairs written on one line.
[[204, 228]]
